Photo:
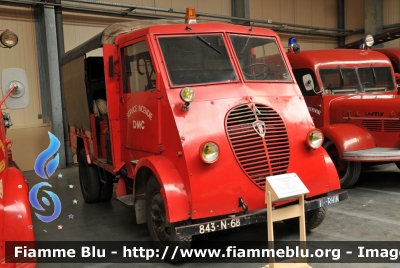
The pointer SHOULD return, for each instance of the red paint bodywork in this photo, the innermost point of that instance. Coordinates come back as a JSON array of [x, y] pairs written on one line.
[[394, 55], [15, 213], [169, 144], [343, 118]]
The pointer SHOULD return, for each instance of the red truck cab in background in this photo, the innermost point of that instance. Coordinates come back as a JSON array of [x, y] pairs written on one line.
[[15, 212], [352, 97], [194, 126], [394, 56]]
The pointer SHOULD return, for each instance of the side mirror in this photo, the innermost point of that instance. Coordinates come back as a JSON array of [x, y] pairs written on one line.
[[309, 84], [19, 97]]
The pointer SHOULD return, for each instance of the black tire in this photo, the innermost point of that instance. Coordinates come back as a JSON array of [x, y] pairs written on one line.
[[89, 179], [106, 190], [313, 218], [397, 164], [161, 231], [349, 172]]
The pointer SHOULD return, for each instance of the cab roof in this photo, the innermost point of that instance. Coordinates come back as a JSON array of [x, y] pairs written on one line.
[[390, 52], [315, 58], [109, 34]]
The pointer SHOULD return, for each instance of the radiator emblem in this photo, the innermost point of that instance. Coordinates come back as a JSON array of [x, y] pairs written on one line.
[[260, 128]]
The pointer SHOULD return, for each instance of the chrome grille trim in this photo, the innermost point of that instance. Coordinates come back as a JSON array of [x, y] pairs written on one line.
[[256, 158]]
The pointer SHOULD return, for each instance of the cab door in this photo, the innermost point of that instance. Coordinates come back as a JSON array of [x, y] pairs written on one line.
[[138, 101]]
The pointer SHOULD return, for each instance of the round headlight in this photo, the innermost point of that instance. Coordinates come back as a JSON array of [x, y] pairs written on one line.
[[315, 138], [187, 94], [209, 152], [369, 40], [8, 39]]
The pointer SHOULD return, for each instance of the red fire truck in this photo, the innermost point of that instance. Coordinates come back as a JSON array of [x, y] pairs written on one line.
[[15, 213], [351, 96], [394, 55], [191, 125]]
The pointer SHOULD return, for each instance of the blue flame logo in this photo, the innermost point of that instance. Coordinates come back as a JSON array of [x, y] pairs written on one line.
[[45, 155], [35, 202], [45, 171]]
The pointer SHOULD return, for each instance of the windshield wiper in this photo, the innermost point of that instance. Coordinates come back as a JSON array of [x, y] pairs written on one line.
[[204, 41], [247, 41], [373, 71], [208, 44], [341, 74]]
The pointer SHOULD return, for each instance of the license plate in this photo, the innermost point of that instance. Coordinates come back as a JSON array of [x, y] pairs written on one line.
[[219, 225], [330, 200]]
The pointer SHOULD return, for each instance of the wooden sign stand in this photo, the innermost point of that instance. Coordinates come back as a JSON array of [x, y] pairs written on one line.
[[293, 184]]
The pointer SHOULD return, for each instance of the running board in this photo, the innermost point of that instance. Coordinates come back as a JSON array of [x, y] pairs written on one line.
[[376, 154]]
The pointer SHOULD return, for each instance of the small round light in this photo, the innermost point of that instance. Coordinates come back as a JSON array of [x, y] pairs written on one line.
[[187, 94], [209, 152], [315, 138], [8, 39], [369, 40]]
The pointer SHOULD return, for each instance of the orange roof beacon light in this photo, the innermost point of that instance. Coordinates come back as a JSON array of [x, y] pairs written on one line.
[[190, 15]]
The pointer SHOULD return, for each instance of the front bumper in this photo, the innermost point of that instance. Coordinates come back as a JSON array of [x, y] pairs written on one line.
[[255, 216]]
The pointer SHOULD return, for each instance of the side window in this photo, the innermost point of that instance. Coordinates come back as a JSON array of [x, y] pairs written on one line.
[[138, 71], [305, 78]]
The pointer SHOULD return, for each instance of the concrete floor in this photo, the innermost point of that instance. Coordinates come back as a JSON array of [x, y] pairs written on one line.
[[370, 214]]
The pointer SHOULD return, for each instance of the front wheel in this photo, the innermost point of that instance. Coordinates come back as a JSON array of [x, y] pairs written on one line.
[[349, 172], [161, 231], [89, 179], [313, 218], [106, 187]]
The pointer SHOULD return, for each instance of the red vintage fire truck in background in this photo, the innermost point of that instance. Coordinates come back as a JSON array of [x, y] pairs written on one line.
[[192, 125], [394, 56], [352, 97], [15, 213]]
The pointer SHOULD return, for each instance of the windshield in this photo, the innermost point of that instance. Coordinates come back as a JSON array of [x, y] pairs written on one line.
[[259, 58], [197, 59], [351, 80], [340, 81], [376, 79]]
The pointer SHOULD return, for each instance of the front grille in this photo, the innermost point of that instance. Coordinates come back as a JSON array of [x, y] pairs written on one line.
[[377, 125], [258, 157]]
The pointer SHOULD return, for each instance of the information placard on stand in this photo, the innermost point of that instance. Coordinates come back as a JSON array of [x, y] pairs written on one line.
[[280, 188]]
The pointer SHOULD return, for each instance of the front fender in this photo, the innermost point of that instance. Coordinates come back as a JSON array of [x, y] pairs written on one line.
[[348, 137], [15, 212], [172, 188], [333, 177]]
